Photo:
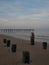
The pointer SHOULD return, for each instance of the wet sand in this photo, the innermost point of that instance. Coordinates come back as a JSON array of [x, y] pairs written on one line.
[[38, 56]]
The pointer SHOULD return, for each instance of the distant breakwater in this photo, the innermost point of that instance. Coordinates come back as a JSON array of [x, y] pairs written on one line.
[[15, 30]]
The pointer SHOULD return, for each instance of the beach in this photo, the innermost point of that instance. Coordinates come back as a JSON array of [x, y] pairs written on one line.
[[38, 56]]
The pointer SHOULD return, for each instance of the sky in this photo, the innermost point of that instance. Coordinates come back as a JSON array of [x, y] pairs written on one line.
[[24, 14]]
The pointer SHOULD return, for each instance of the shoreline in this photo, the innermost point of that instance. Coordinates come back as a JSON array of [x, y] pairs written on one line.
[[26, 37]]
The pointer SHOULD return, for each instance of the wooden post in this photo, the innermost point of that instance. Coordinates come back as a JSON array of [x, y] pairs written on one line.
[[44, 45], [32, 38], [4, 40], [8, 43], [13, 47], [26, 57]]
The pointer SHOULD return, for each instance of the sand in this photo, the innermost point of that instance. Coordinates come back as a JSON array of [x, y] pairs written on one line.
[[38, 56]]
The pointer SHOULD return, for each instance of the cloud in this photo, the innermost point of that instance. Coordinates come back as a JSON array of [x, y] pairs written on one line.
[[33, 16]]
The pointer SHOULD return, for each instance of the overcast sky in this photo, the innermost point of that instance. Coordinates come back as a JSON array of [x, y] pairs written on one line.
[[24, 14]]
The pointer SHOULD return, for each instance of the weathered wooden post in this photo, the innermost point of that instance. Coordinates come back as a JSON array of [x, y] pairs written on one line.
[[13, 48], [26, 57], [32, 38], [44, 45], [8, 43], [4, 41]]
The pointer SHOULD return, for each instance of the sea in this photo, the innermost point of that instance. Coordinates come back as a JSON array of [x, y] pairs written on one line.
[[40, 35]]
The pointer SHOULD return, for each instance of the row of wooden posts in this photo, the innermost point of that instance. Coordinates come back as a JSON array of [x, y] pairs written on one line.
[[26, 54], [32, 39], [8, 42]]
